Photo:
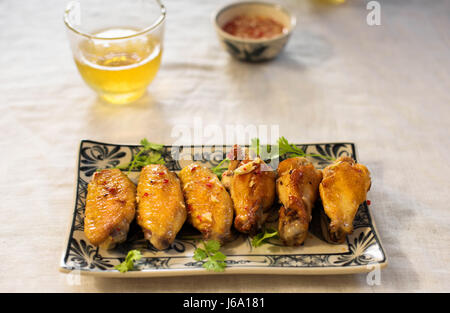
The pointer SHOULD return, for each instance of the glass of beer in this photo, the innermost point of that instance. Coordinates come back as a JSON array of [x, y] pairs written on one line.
[[117, 45]]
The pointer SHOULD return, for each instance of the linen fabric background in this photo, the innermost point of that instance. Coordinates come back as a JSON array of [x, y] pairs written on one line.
[[383, 87]]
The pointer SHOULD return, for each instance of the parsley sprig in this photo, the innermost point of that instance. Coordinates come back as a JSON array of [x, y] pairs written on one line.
[[215, 260], [264, 236], [128, 264]]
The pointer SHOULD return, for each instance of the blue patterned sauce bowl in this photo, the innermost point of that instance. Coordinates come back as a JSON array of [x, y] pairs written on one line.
[[249, 49]]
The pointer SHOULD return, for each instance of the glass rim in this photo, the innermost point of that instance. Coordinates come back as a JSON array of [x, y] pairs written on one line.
[[158, 22]]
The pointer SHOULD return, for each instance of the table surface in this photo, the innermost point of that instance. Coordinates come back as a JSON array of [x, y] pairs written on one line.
[[383, 87]]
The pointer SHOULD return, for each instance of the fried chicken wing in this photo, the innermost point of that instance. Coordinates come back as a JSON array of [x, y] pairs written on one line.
[[161, 210], [110, 208], [209, 206], [252, 187], [298, 188], [344, 187]]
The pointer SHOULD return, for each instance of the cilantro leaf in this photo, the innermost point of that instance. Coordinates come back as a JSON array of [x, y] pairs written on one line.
[[200, 254], [214, 259], [263, 236], [128, 264], [122, 267], [151, 146], [212, 246], [214, 266], [219, 256]]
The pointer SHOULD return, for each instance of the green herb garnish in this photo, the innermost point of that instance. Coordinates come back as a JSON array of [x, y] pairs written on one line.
[[284, 147], [261, 151], [264, 236], [254, 146], [215, 260], [151, 153], [128, 264], [291, 151], [219, 169]]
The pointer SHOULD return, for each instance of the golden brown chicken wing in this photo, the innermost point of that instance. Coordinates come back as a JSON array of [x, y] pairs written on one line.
[[209, 206], [298, 188], [110, 208], [344, 187], [161, 210], [252, 187]]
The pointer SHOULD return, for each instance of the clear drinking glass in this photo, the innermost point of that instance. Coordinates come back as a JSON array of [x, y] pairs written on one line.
[[117, 45]]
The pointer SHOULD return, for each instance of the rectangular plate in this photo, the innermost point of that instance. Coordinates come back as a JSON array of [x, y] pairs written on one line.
[[362, 251]]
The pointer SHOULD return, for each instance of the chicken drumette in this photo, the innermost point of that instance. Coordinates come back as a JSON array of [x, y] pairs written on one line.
[[252, 187], [161, 210], [344, 187], [297, 188]]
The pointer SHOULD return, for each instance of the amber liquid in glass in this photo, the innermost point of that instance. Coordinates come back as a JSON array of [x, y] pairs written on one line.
[[121, 69]]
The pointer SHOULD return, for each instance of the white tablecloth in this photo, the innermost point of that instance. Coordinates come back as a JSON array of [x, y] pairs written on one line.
[[383, 87]]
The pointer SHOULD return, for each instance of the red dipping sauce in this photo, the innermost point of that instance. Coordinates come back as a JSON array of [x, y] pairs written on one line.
[[253, 27]]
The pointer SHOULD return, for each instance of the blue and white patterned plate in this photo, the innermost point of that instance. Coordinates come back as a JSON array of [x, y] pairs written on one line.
[[362, 251]]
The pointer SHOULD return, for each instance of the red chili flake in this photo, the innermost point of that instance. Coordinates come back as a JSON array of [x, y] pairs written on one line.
[[117, 229], [193, 168], [146, 194], [368, 202], [112, 191], [244, 168], [161, 173], [209, 185], [189, 208], [199, 217], [165, 181]]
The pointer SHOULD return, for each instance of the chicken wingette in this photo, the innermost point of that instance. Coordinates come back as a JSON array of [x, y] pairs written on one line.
[[252, 187], [110, 208], [209, 206], [344, 187], [298, 189], [161, 210]]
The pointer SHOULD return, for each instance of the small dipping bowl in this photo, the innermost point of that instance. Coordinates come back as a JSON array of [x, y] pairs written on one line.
[[249, 49]]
